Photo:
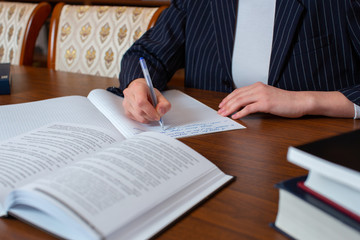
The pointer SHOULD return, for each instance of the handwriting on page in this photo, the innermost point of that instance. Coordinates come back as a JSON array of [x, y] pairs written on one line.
[[195, 128], [199, 128]]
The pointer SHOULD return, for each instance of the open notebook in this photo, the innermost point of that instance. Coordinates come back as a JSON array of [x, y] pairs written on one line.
[[187, 116]]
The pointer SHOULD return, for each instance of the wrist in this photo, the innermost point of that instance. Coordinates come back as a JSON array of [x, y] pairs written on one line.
[[332, 104], [137, 81], [311, 105]]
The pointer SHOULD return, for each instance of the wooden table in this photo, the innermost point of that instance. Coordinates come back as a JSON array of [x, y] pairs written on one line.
[[255, 155]]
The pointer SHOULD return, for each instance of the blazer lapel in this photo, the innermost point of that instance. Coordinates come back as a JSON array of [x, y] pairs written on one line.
[[287, 16], [224, 16]]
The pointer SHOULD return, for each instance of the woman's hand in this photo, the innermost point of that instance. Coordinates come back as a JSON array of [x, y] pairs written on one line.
[[260, 97], [137, 102]]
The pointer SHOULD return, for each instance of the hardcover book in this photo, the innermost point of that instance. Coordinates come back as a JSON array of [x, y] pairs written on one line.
[[303, 216], [85, 182], [334, 168]]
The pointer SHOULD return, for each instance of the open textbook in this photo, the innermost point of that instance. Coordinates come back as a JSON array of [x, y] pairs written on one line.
[[84, 182], [187, 116]]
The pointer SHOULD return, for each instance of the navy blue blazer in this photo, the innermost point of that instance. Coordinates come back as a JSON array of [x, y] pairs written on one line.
[[316, 46]]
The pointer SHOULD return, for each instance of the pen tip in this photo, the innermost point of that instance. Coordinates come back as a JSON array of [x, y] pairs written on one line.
[[161, 125]]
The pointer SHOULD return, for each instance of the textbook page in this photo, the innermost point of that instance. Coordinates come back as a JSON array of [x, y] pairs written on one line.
[[21, 118], [187, 117], [132, 189], [29, 156]]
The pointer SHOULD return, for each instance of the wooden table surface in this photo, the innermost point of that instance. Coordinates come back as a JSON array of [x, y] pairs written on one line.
[[255, 155]]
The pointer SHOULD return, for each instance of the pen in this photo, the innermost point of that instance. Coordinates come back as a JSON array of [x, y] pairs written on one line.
[[151, 88]]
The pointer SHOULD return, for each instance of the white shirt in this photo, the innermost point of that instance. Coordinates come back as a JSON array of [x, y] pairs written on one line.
[[253, 41]]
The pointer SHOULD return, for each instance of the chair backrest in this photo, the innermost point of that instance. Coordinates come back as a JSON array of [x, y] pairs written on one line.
[[20, 24], [92, 39]]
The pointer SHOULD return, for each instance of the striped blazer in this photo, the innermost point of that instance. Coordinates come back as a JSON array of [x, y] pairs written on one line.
[[316, 46]]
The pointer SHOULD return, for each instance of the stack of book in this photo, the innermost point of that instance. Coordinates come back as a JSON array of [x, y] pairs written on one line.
[[325, 204]]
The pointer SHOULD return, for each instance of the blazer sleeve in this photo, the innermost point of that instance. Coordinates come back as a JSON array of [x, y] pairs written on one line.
[[162, 47], [353, 27]]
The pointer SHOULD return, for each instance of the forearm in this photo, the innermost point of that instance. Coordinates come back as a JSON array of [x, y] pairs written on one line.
[[162, 46], [332, 104], [132, 71]]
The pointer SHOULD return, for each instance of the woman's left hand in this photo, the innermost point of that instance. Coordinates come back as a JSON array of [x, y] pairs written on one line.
[[260, 97]]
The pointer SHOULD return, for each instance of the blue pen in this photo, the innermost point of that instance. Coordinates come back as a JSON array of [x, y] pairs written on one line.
[[151, 88]]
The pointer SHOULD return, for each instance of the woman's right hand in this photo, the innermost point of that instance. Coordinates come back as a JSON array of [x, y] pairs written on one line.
[[137, 102]]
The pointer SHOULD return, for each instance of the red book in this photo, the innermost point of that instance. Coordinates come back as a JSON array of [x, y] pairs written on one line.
[[333, 204]]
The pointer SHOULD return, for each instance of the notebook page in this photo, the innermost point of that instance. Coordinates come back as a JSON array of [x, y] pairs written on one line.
[[187, 116]]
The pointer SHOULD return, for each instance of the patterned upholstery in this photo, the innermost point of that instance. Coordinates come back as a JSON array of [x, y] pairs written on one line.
[[92, 39], [13, 22]]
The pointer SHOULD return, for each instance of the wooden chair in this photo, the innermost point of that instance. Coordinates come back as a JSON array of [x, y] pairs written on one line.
[[92, 39], [20, 24]]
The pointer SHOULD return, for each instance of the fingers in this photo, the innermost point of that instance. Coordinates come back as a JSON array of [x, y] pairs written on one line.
[[140, 109], [247, 110], [229, 97], [244, 101], [163, 105], [138, 106], [236, 100]]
